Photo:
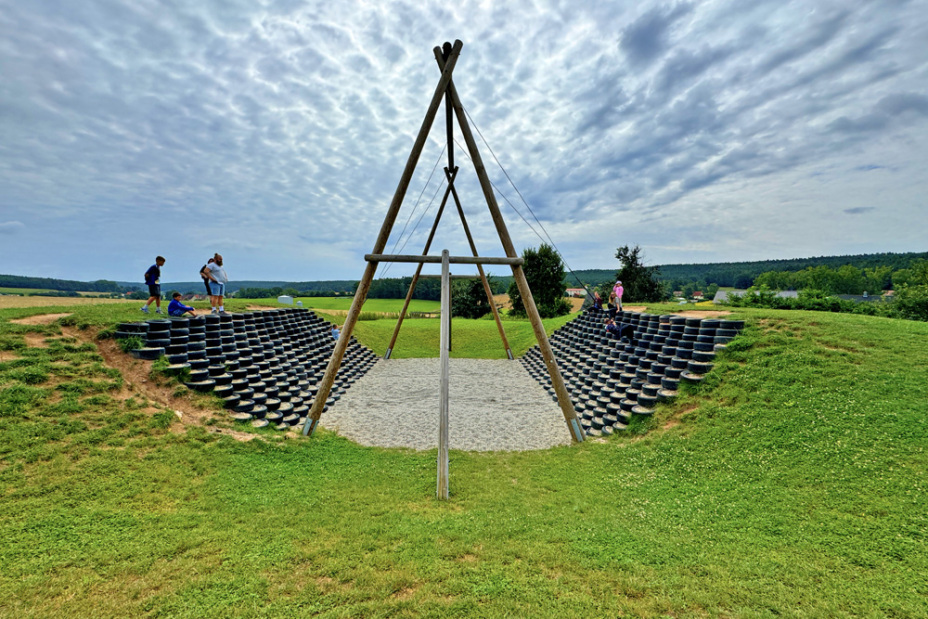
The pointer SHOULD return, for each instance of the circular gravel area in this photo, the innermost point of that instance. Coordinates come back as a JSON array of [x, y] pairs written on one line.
[[494, 405]]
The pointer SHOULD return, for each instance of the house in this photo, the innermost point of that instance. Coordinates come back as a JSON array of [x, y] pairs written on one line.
[[575, 292], [698, 295]]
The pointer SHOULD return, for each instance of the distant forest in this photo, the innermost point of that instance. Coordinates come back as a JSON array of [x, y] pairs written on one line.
[[64, 285], [675, 276], [742, 274]]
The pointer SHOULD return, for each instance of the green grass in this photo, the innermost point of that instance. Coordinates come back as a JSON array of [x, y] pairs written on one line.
[[21, 291], [790, 483], [370, 305]]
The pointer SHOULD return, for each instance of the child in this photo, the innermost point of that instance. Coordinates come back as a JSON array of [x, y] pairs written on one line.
[[153, 281], [176, 308]]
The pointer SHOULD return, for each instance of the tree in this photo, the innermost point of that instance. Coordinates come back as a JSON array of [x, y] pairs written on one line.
[[469, 299], [641, 283], [544, 272]]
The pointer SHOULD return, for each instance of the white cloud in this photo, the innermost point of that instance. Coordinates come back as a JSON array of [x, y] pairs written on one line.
[[282, 128]]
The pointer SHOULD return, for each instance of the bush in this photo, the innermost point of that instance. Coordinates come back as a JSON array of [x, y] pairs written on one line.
[[911, 302], [131, 343]]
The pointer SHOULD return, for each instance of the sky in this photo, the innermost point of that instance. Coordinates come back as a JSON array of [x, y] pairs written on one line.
[[275, 132]]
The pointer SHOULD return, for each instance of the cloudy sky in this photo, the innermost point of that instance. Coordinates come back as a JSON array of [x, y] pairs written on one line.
[[275, 132]]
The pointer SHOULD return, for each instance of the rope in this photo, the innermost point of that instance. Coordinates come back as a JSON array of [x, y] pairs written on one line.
[[413, 211], [512, 206]]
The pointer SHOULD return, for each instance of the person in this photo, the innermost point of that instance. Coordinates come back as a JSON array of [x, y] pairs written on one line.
[[176, 308], [597, 301], [153, 281], [217, 284], [611, 327], [618, 290], [612, 306], [205, 275], [335, 332]]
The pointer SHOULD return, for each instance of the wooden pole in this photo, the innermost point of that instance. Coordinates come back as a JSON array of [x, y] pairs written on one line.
[[445, 338], [312, 420], [415, 277], [483, 277], [557, 381]]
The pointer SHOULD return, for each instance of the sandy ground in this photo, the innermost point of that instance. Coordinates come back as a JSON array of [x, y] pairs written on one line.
[[8, 301], [494, 405], [39, 319]]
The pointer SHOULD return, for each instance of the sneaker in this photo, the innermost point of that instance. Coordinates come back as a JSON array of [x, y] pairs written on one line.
[[158, 311], [144, 308]]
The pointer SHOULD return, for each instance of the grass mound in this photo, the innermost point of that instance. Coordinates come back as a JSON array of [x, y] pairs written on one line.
[[791, 482]]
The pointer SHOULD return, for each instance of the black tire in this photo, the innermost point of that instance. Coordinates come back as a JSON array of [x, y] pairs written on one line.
[[203, 386], [241, 417], [148, 353]]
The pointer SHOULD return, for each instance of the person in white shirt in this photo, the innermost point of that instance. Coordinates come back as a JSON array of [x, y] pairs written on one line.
[[217, 284]]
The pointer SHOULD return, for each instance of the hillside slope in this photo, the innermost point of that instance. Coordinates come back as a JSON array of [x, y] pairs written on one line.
[[791, 482]]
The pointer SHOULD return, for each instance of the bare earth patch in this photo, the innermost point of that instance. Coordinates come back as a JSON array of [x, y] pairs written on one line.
[[8, 301], [137, 382], [35, 340], [703, 313], [39, 319]]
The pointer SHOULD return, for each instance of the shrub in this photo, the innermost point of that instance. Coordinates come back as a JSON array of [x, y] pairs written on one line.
[[911, 302], [131, 343]]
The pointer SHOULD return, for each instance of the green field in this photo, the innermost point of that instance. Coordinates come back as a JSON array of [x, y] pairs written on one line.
[[4, 290], [370, 305], [791, 483]]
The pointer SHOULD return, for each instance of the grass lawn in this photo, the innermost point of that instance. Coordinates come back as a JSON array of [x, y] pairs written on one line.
[[792, 482], [370, 305]]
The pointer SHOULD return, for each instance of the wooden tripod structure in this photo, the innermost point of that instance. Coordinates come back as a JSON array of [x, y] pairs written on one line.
[[447, 58]]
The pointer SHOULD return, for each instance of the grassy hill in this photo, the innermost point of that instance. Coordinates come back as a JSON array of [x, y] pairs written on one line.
[[791, 482]]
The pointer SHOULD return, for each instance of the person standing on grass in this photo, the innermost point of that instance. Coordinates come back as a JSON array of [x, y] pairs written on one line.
[[153, 281], [618, 290], [217, 284]]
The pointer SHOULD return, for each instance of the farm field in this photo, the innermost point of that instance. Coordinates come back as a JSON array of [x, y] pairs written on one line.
[[791, 482]]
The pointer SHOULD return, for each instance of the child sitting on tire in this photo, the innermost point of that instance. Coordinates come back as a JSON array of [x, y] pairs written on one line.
[[176, 308]]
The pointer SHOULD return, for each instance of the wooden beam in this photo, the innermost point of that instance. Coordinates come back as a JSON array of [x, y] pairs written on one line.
[[335, 361], [444, 361], [437, 259]]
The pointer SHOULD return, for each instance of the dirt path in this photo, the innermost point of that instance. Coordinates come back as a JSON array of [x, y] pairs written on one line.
[[139, 383], [38, 319]]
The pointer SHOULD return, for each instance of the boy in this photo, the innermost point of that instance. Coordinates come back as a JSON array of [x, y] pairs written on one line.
[[153, 281], [176, 308]]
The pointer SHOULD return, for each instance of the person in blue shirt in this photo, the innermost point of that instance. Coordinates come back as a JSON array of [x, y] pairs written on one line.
[[176, 308], [153, 281]]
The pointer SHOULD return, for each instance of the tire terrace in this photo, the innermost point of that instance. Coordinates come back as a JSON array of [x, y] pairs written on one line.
[[612, 377], [265, 365]]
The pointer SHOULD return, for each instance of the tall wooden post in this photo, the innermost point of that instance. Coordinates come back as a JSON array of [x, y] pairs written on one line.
[[445, 345], [557, 381], [325, 387]]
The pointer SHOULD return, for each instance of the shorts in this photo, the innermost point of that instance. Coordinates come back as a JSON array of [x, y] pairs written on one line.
[[216, 289], [154, 290]]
